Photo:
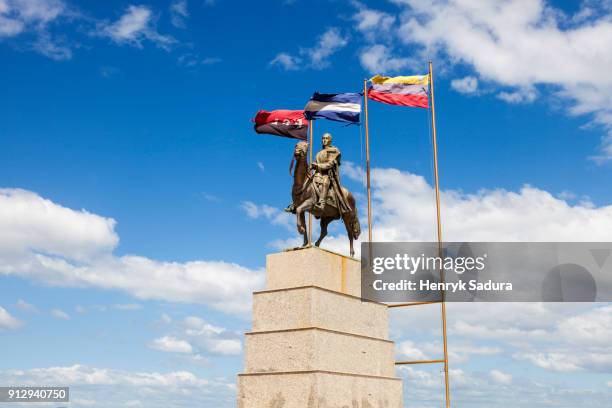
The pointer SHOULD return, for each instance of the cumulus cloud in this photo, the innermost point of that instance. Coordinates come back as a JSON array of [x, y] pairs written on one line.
[[127, 306], [426, 387], [46, 242], [287, 61], [405, 211], [195, 336], [373, 21], [316, 57], [35, 17], [465, 85], [26, 307], [521, 95], [171, 344], [114, 388], [18, 16], [8, 322], [523, 44], [501, 377], [274, 215], [31, 223], [60, 314], [378, 58], [136, 25], [179, 13], [209, 338]]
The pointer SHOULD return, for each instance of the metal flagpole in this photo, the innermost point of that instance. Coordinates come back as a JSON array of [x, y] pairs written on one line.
[[367, 142], [436, 181], [310, 124]]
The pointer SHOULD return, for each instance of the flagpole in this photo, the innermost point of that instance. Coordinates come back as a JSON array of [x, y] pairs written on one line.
[[367, 143], [310, 125], [437, 185]]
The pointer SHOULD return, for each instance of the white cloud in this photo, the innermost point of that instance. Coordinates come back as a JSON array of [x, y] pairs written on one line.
[[328, 44], [225, 346], [274, 215], [17, 16], [128, 306], [136, 25], [521, 95], [51, 48], [8, 322], [317, 57], [26, 307], [196, 326], [210, 338], [378, 59], [172, 345], [195, 336], [35, 17], [60, 314], [287, 61], [405, 211], [179, 13], [373, 21], [58, 246], [466, 85], [30, 223], [522, 44], [592, 328], [501, 377], [408, 350], [191, 60], [211, 60], [115, 388]]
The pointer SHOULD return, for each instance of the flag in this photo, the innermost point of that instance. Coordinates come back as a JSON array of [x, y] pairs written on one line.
[[286, 123], [401, 90], [341, 107]]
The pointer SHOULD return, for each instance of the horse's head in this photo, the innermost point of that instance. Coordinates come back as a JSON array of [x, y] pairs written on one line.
[[301, 150]]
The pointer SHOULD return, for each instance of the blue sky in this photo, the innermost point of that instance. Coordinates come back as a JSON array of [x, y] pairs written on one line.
[[128, 160]]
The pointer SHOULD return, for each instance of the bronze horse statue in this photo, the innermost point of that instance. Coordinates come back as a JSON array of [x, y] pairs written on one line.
[[304, 199]]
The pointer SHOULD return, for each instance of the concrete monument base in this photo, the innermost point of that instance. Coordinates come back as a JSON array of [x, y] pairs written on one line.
[[314, 343]]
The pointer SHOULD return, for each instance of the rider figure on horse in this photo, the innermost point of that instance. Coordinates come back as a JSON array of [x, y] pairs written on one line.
[[327, 175]]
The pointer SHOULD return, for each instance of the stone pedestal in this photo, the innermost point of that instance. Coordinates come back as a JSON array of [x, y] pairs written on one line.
[[314, 343]]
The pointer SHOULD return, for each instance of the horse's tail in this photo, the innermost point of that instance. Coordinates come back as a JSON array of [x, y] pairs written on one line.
[[356, 226]]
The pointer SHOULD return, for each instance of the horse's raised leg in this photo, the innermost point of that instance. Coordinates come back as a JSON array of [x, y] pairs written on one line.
[[324, 223], [348, 223], [305, 233]]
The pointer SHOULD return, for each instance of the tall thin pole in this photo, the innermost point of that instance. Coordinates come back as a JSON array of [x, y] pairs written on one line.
[[367, 143], [437, 185], [310, 159]]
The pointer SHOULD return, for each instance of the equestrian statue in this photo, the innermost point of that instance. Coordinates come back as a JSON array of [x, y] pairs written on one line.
[[321, 193]]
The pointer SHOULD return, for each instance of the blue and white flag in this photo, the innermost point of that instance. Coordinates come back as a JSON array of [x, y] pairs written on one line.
[[341, 107]]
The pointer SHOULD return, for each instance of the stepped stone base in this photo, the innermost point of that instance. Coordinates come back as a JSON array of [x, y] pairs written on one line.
[[311, 306], [315, 343], [313, 267], [318, 349], [318, 389]]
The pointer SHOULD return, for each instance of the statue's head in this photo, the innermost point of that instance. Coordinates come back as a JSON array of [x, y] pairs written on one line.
[[301, 149], [326, 139]]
